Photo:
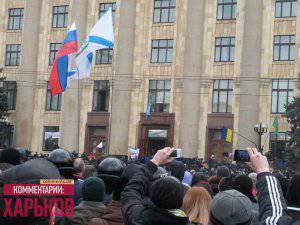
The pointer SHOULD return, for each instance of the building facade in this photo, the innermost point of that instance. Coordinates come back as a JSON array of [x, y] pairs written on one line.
[[197, 65]]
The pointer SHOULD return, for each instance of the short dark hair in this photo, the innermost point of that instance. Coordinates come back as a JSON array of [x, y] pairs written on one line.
[[11, 156]]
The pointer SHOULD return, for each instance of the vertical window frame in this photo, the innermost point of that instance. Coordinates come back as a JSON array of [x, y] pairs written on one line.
[[12, 17], [280, 2], [96, 106], [280, 45], [57, 15], [159, 48], [9, 52], [279, 90], [53, 49], [51, 99], [169, 8], [155, 91], [11, 89], [221, 46], [232, 4], [228, 90]]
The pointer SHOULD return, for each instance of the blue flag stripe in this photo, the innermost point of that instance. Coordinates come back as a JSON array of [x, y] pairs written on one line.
[[101, 41]]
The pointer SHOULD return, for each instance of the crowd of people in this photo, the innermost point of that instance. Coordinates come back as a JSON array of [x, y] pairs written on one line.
[[158, 191]]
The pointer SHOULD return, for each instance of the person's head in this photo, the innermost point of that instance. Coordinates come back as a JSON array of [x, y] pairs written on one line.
[[253, 177], [207, 187], [293, 193], [110, 170], [176, 168], [167, 193], [11, 156], [223, 171], [225, 184], [198, 177], [231, 207], [89, 171], [93, 189], [79, 166], [214, 183], [243, 184], [196, 204]]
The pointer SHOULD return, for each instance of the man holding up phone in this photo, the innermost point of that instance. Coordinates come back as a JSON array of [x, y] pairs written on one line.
[[272, 205]]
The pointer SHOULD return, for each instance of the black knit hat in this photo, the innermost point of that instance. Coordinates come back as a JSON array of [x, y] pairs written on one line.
[[167, 193], [244, 184], [223, 171], [93, 189], [177, 169]]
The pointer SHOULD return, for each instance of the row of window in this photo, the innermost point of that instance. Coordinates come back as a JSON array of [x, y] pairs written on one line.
[[160, 92], [162, 51], [164, 12]]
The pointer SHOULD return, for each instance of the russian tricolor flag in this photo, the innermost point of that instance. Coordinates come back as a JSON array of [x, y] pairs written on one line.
[[61, 66]]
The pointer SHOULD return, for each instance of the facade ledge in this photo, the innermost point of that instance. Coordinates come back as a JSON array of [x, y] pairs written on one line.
[[53, 112], [14, 31], [285, 19], [161, 64], [223, 63], [227, 115], [162, 24], [284, 62], [226, 21]]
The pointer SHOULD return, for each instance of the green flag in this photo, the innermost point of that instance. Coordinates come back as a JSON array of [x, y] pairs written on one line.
[[275, 125]]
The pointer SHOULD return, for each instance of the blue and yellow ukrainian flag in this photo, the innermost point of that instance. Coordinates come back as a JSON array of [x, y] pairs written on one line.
[[227, 134]]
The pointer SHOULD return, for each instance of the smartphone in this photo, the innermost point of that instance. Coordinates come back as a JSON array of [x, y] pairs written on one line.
[[177, 153], [241, 156]]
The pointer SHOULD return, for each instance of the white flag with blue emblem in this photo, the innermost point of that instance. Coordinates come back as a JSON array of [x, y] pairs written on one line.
[[100, 37]]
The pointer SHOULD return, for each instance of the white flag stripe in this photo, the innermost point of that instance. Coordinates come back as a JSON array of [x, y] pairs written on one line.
[[100, 37]]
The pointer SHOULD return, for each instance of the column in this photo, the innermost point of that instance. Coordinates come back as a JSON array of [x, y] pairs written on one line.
[[250, 72], [69, 129], [189, 121], [28, 74], [121, 87]]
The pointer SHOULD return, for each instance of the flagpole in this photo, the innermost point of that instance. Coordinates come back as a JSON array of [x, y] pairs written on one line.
[[78, 111], [111, 112]]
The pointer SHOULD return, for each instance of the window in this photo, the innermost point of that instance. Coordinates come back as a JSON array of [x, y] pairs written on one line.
[[282, 94], [12, 55], [10, 89], [159, 95], [164, 11], [60, 16], [50, 138], [284, 48], [104, 56], [6, 135], [54, 47], [225, 47], [105, 6], [285, 8], [278, 147], [222, 96], [226, 10], [15, 19], [101, 95], [162, 51], [53, 103]]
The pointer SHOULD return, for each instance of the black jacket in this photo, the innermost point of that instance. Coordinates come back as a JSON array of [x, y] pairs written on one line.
[[272, 205], [135, 211]]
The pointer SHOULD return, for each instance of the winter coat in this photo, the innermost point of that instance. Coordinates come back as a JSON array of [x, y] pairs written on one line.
[[85, 212], [112, 216], [136, 212], [272, 205]]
